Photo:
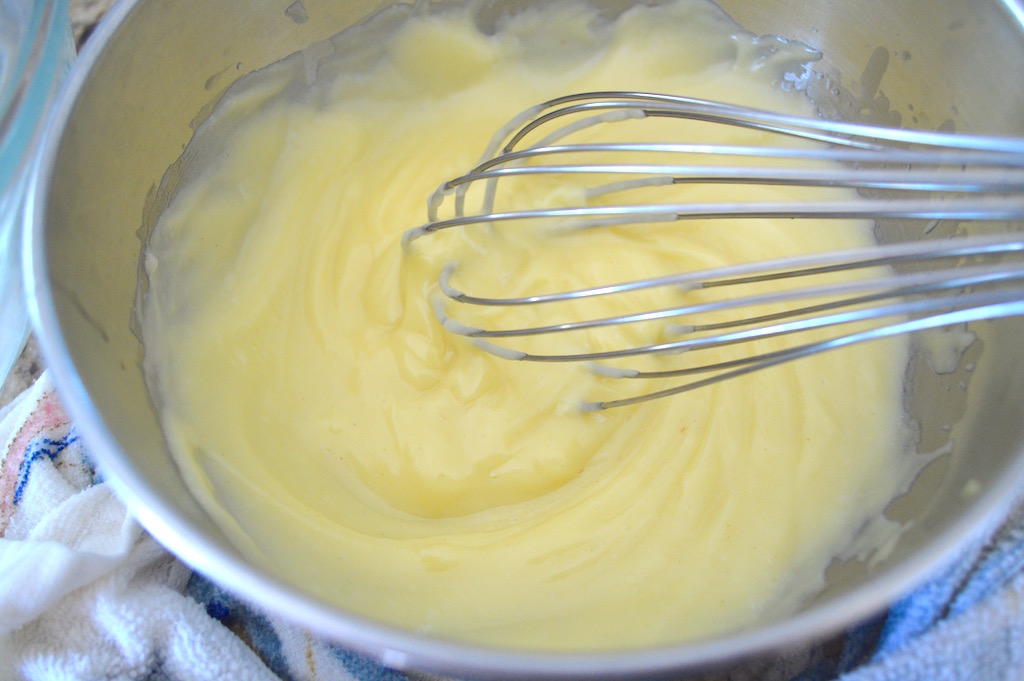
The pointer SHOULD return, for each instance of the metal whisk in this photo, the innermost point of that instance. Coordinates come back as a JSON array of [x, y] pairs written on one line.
[[922, 284]]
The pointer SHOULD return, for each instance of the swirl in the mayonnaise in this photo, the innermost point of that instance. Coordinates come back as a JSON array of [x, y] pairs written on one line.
[[350, 445]]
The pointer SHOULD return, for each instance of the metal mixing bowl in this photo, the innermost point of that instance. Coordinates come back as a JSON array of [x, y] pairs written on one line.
[[152, 70]]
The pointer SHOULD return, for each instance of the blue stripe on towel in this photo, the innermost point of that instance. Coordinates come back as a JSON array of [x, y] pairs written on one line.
[[256, 630], [38, 449], [365, 669], [252, 626]]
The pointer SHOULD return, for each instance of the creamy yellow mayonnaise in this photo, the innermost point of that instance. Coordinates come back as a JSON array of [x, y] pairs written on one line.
[[347, 443]]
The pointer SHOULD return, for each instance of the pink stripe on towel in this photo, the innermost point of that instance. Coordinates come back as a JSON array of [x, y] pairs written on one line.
[[44, 413]]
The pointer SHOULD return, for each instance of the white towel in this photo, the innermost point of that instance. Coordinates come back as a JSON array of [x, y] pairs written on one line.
[[86, 593]]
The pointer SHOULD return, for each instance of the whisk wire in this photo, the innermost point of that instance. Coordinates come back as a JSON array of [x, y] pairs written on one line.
[[910, 174], [1008, 308]]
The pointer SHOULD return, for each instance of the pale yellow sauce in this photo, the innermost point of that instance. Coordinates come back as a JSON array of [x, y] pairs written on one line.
[[349, 444]]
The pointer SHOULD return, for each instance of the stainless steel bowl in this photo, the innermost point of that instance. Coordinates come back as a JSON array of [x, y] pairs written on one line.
[[152, 70]]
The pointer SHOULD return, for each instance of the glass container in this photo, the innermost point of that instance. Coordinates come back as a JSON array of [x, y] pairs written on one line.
[[36, 50]]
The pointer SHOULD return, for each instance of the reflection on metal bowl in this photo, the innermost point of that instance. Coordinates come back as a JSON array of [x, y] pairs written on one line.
[[153, 70]]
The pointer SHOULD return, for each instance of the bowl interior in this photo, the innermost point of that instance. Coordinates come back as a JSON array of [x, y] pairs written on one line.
[[135, 98]]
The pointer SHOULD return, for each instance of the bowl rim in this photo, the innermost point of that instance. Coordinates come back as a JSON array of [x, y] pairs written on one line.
[[390, 645]]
